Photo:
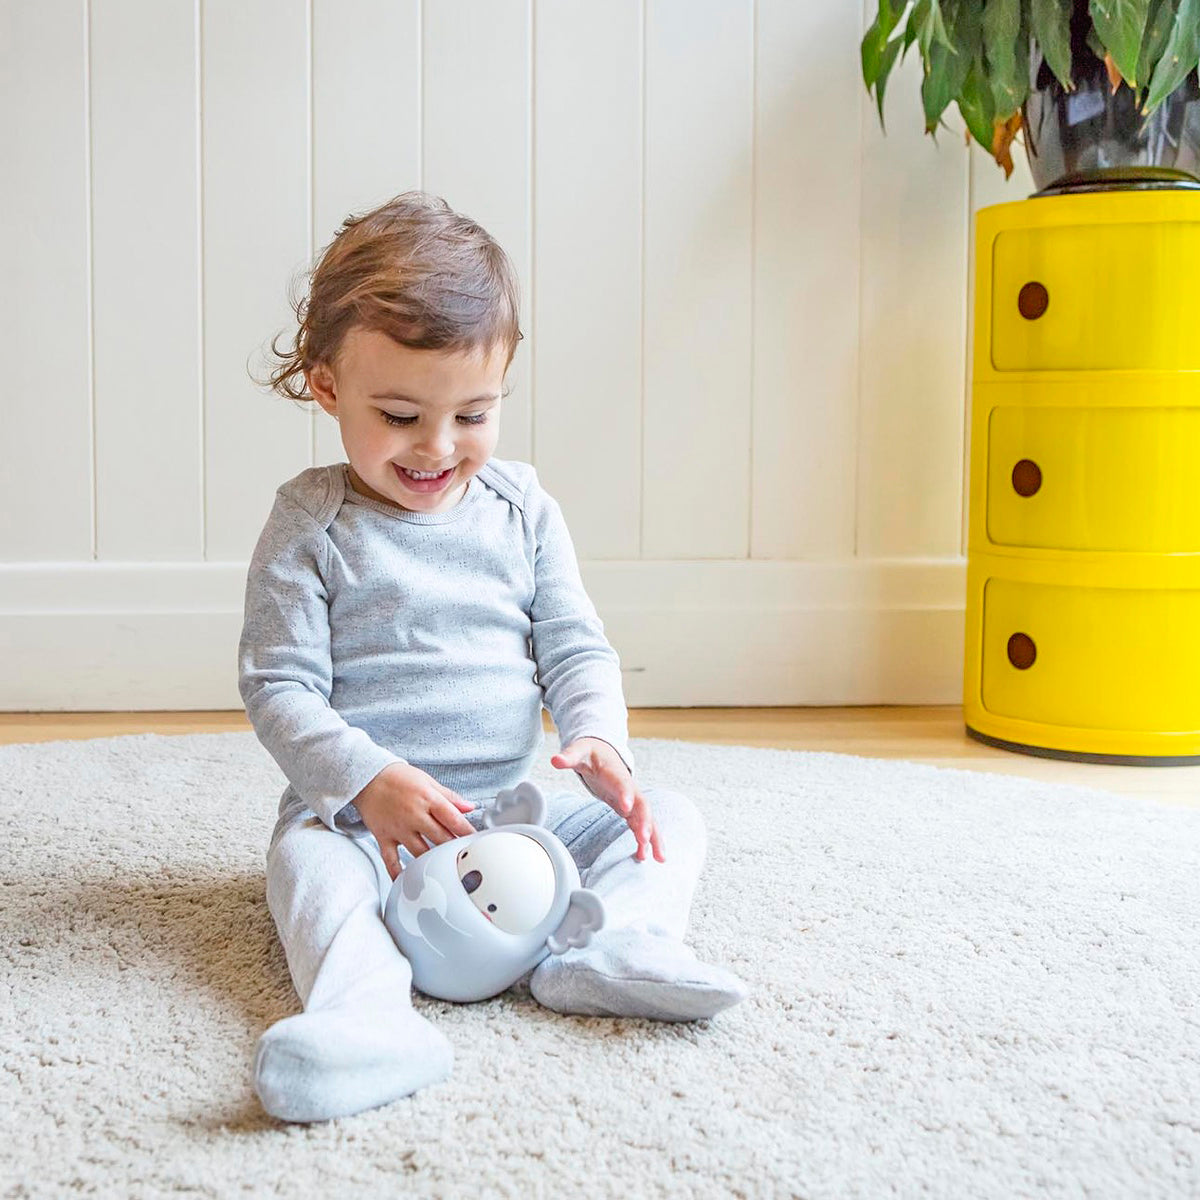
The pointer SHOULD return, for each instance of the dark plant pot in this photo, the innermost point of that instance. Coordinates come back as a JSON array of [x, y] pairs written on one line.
[[1095, 139]]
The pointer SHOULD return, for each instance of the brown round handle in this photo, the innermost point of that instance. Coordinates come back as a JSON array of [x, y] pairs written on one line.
[[1026, 477], [1033, 301], [1021, 651]]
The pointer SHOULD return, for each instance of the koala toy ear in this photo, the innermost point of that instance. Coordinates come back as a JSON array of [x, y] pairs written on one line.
[[583, 918], [522, 805]]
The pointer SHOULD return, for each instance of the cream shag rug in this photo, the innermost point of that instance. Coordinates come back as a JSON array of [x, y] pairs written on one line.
[[963, 985]]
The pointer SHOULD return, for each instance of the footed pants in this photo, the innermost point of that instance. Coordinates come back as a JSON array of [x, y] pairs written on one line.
[[324, 892]]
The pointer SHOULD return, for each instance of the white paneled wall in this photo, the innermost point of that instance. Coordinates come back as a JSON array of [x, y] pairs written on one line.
[[698, 187], [745, 308], [586, 337], [256, 198]]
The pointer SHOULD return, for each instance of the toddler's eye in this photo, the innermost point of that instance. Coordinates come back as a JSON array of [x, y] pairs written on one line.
[[393, 419]]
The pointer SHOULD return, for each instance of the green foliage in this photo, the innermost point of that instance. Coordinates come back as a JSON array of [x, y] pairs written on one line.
[[975, 53]]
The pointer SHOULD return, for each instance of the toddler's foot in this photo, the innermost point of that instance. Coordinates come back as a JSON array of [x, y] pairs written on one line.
[[337, 1061], [627, 973]]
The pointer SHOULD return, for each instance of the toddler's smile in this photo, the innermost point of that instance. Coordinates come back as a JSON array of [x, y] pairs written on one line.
[[426, 481]]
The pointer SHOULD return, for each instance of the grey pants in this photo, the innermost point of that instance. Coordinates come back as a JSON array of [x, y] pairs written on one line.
[[324, 892]]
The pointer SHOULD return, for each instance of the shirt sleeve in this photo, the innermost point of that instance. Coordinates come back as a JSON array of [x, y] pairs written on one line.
[[285, 670], [579, 672]]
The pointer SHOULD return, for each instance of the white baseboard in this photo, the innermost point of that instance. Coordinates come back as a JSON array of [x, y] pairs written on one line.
[[160, 636]]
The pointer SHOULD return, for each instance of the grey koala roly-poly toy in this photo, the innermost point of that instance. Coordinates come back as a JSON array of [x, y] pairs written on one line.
[[474, 914]]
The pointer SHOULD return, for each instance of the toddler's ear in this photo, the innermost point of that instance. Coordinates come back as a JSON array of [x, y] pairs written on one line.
[[323, 386]]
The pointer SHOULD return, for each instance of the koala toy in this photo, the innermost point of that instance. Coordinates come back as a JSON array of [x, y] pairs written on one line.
[[475, 913]]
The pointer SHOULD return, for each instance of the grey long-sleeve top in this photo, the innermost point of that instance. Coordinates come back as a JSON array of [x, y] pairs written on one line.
[[374, 635]]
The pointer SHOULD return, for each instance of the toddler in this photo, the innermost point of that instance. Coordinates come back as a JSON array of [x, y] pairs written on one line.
[[408, 612]]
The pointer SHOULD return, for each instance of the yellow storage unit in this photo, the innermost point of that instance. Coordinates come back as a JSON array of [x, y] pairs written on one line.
[[1083, 574]]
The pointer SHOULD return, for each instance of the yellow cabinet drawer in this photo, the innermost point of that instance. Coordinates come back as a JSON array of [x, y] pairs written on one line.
[[1092, 658], [1097, 297], [1122, 479]]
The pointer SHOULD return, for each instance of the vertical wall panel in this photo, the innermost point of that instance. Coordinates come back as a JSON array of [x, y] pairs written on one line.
[[587, 322], [806, 279], [145, 256], [476, 76], [914, 296], [45, 444], [366, 123], [698, 215], [256, 241]]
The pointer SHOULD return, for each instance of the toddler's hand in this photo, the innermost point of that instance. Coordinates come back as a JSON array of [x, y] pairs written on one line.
[[403, 806], [607, 777]]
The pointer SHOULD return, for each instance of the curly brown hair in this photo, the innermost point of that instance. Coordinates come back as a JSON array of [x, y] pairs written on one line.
[[414, 269]]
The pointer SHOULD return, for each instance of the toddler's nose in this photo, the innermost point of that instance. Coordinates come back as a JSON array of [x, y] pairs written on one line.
[[436, 448]]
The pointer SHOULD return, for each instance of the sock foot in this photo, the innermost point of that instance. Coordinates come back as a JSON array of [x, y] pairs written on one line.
[[334, 1062], [628, 973]]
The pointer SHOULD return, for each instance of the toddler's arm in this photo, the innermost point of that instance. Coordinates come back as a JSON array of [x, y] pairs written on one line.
[[285, 671], [578, 670], [581, 677]]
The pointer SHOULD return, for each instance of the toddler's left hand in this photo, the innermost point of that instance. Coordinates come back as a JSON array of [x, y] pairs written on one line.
[[607, 777]]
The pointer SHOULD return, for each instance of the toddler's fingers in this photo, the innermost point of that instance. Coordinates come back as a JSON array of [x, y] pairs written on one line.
[[455, 799], [436, 834], [391, 859], [638, 823], [455, 824], [415, 845], [656, 845], [639, 832]]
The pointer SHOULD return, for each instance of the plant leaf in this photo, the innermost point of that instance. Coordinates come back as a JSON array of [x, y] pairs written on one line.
[[889, 60], [916, 19], [1051, 24], [1006, 53], [933, 28], [947, 68], [1004, 130], [1113, 72], [1120, 25], [1180, 56], [875, 40], [976, 105], [1158, 29]]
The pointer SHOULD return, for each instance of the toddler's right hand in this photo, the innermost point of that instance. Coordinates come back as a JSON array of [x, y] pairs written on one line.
[[402, 806]]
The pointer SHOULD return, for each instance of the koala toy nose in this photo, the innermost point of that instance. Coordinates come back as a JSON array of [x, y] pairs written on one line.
[[471, 880]]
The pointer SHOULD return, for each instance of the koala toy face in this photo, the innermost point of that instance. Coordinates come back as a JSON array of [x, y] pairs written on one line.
[[474, 914], [510, 879]]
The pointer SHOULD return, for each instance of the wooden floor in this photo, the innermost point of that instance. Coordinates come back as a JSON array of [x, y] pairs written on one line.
[[927, 735]]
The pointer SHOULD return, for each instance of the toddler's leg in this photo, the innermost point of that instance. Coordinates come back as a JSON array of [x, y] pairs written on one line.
[[637, 965], [359, 1043]]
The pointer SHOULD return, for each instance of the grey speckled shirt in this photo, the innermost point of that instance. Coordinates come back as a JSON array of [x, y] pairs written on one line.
[[374, 635]]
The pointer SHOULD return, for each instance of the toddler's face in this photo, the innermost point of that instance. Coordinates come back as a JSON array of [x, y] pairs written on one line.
[[402, 411]]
